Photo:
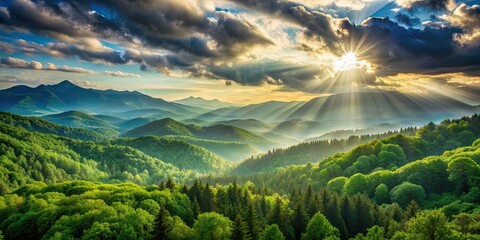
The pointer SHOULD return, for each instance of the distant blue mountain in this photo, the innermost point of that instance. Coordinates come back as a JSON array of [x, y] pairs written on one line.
[[66, 96]]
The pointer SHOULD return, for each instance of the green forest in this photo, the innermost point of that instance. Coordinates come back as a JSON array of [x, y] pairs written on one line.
[[59, 182]]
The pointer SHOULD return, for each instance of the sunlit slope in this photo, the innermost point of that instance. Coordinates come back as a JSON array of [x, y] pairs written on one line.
[[30, 156], [177, 152], [303, 153], [39, 125], [219, 132], [390, 155], [78, 119]]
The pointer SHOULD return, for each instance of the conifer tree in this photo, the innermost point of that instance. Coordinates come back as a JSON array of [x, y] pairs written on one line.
[[299, 220], [170, 183], [195, 208], [411, 210], [252, 221], [162, 224], [239, 231]]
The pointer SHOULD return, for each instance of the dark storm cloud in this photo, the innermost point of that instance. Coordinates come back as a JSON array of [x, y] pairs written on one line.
[[270, 72], [395, 49], [427, 4], [318, 25], [181, 27], [409, 21]]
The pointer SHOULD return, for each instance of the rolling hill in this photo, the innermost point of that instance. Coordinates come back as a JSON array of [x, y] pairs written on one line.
[[79, 120], [220, 132], [177, 152], [42, 126]]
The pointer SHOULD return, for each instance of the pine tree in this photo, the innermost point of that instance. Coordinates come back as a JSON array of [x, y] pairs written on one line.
[[411, 210], [276, 215], [348, 214], [299, 220], [161, 186], [195, 208], [170, 184], [252, 221], [333, 214], [208, 199], [239, 231], [162, 225]]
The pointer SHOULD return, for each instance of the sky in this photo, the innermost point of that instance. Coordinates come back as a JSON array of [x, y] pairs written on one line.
[[244, 51]]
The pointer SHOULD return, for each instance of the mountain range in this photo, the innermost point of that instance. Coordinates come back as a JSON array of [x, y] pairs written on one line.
[[66, 96], [203, 103], [67, 104]]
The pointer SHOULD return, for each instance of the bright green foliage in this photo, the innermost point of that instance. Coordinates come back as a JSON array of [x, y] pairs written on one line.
[[429, 225], [406, 192], [319, 228], [42, 126], [180, 231], [29, 156], [177, 152], [355, 184], [464, 172], [212, 226], [272, 232], [382, 194], [374, 233], [337, 184], [311, 151]]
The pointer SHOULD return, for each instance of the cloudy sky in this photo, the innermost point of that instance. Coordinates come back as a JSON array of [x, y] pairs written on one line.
[[244, 50]]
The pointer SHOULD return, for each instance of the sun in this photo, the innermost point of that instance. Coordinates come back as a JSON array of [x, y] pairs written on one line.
[[346, 62], [349, 61]]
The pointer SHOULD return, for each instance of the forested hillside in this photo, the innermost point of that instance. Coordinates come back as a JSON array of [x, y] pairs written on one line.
[[42, 126], [389, 188], [28, 156], [176, 152], [388, 154], [312, 151], [219, 132]]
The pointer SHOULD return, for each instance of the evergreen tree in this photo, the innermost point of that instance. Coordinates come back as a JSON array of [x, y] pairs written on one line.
[[196, 208], [276, 215], [170, 184], [162, 224], [299, 220], [161, 186], [252, 221], [208, 199], [239, 231], [348, 214], [411, 210]]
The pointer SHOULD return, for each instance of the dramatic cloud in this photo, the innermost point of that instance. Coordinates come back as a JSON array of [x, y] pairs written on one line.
[[407, 20], [318, 25], [121, 74], [250, 42], [11, 62], [428, 4], [468, 19], [395, 49]]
